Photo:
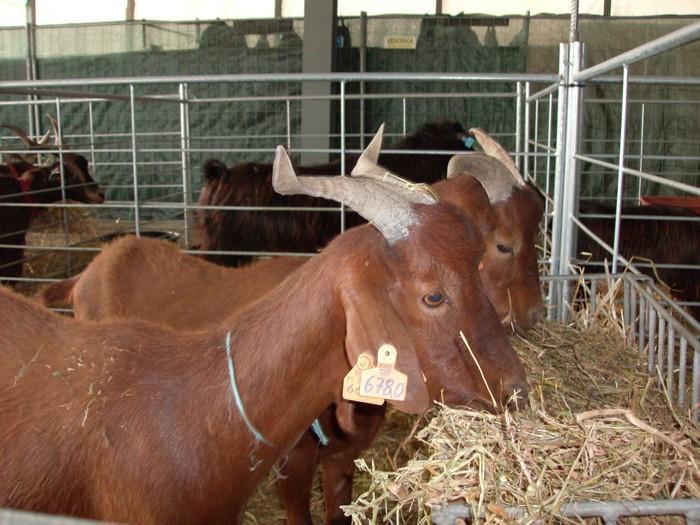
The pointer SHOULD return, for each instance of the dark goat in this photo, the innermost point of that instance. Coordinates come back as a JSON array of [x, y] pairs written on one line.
[[248, 184], [661, 241], [22, 181]]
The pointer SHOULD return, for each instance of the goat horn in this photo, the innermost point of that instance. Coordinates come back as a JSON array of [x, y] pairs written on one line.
[[367, 166], [489, 171], [22, 136], [54, 125], [382, 204], [368, 163], [495, 150]]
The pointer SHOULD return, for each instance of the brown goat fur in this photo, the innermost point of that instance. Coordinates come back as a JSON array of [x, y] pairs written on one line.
[[130, 421]]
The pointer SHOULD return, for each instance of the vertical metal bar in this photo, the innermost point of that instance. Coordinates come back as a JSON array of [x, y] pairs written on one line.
[[536, 140], [547, 177], [660, 346], [363, 68], [570, 193], [620, 166], [651, 352], [403, 109], [518, 124], [33, 109], [634, 319], [64, 196], [185, 163], [593, 299], [696, 386], [342, 148], [289, 125], [91, 122], [526, 141], [132, 110], [671, 354], [642, 322], [554, 296], [682, 371], [641, 154], [626, 302]]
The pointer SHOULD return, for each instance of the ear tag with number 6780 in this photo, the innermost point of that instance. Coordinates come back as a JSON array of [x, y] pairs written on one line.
[[384, 381], [351, 383]]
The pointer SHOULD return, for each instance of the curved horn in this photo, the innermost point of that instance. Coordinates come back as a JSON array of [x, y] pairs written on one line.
[[495, 150], [54, 125], [23, 136], [382, 204], [489, 171], [367, 166]]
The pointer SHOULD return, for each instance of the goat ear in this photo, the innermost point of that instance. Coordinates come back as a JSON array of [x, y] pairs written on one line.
[[215, 170], [370, 321]]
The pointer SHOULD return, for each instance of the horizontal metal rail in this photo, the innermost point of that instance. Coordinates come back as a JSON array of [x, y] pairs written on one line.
[[609, 511], [665, 43], [280, 77], [654, 178]]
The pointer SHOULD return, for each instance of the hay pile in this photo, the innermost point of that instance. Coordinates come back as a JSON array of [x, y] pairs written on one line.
[[48, 230], [598, 428]]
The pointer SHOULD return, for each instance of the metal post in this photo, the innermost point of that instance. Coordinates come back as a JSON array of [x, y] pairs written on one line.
[[91, 122], [185, 163], [557, 220], [526, 142], [536, 140], [620, 166], [342, 148], [363, 68], [403, 110], [671, 349], [33, 109], [518, 124], [64, 196], [682, 370], [571, 182], [641, 154], [134, 170], [289, 125], [547, 176]]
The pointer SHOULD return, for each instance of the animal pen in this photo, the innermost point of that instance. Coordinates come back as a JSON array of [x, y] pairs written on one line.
[[147, 138]]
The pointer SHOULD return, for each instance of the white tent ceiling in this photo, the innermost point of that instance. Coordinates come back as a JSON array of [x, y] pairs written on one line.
[[12, 12]]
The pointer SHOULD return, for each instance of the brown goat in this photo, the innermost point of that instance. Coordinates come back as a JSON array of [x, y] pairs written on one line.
[[152, 280], [130, 421]]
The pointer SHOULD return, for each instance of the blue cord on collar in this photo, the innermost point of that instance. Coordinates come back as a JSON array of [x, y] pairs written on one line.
[[237, 396], [320, 434], [468, 141]]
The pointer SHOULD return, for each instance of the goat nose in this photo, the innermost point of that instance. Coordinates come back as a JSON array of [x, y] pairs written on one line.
[[516, 397]]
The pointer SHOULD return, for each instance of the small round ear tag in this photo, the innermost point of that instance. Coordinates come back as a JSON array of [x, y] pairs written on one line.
[[384, 381], [351, 383]]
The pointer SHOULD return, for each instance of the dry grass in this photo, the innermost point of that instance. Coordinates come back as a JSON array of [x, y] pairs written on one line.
[[598, 428], [49, 229]]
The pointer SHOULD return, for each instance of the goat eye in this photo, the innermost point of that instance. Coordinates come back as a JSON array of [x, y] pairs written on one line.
[[504, 249], [434, 299]]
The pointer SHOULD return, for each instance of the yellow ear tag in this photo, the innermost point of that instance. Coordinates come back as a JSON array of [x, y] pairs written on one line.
[[351, 383], [384, 381]]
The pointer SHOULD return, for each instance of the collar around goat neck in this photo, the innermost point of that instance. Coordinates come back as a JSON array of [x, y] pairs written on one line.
[[237, 396]]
